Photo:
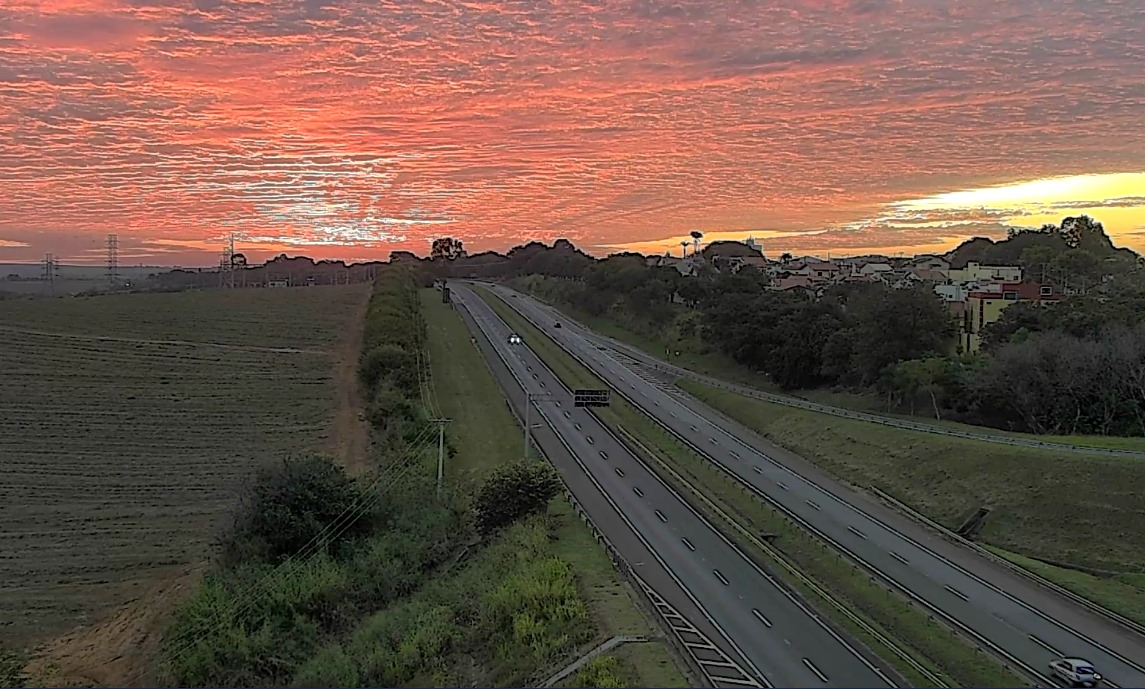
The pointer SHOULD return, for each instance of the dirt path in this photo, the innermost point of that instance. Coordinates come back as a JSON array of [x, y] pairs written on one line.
[[118, 652], [350, 433]]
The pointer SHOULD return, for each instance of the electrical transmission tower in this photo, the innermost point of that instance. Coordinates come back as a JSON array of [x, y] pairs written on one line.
[[226, 263], [49, 275], [112, 259]]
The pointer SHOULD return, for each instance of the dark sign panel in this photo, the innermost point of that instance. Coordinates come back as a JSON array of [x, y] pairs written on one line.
[[591, 398], [445, 295]]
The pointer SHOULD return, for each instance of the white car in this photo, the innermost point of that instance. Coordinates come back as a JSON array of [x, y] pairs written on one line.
[[1075, 671], [514, 339]]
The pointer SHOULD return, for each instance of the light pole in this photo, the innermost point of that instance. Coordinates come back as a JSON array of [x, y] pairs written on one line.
[[440, 452], [531, 397]]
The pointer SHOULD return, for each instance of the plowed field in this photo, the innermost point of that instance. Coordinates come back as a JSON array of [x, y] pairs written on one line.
[[127, 423]]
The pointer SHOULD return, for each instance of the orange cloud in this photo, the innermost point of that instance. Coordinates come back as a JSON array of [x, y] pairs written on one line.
[[354, 128]]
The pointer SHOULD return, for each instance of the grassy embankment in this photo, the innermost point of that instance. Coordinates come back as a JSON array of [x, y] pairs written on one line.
[[1038, 513], [697, 356], [411, 594], [926, 642], [486, 434]]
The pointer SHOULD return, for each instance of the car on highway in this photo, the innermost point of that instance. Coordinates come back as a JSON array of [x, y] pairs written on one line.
[[1076, 672], [557, 324], [514, 339]]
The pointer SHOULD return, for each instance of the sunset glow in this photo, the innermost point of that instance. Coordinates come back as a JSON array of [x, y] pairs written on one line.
[[349, 129]]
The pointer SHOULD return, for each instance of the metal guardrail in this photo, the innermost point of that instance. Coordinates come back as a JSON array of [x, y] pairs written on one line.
[[983, 644], [686, 639], [648, 360], [791, 569], [1003, 562]]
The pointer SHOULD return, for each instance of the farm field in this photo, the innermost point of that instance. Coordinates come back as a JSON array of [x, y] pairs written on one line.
[[128, 422]]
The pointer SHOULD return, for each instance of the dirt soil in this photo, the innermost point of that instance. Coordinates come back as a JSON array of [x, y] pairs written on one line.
[[350, 432], [118, 652]]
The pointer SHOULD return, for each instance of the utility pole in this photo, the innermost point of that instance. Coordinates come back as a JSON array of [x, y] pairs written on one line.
[[530, 398], [440, 452]]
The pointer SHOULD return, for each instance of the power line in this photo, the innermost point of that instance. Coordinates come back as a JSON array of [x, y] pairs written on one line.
[[370, 496]]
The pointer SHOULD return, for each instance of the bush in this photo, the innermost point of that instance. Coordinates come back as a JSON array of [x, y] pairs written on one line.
[[290, 504], [603, 672], [513, 491]]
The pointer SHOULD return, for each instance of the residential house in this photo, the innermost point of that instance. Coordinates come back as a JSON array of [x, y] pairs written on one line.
[[793, 282], [878, 270], [822, 270], [928, 261], [985, 307], [975, 271]]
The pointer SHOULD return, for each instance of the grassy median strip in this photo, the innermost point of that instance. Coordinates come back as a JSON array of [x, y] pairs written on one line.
[[928, 644], [486, 434], [1035, 510]]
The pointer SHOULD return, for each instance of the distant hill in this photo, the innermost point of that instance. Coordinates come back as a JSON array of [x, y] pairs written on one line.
[[1080, 232]]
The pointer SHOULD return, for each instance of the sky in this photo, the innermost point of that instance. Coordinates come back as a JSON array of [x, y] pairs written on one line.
[[351, 128]]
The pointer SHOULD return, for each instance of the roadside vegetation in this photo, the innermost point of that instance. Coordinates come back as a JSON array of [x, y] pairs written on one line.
[[942, 653], [1036, 512], [1072, 368], [328, 580]]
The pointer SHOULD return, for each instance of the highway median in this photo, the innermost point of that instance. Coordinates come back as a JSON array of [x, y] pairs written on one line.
[[920, 649]]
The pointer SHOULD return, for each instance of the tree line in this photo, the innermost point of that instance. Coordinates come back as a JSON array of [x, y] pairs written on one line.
[[1074, 367]]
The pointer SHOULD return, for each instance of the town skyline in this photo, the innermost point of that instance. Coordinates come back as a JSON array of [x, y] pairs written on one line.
[[349, 130]]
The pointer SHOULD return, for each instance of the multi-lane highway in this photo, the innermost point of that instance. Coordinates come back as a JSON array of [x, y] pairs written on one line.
[[781, 641], [1027, 624]]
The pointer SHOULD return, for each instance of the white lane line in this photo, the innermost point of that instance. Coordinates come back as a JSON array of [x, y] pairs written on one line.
[[589, 439], [604, 455], [689, 544], [1046, 646], [856, 532], [757, 470], [619, 472], [956, 592], [694, 429], [639, 493], [900, 558], [576, 426], [759, 616], [822, 677], [713, 441], [567, 415], [733, 454], [813, 505], [721, 577], [782, 485], [660, 516]]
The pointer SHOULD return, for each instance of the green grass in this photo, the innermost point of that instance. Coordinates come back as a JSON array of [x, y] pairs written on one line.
[[486, 433], [696, 356], [1036, 510], [1124, 593], [928, 643]]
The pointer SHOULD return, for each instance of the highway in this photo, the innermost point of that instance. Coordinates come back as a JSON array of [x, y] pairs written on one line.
[[1017, 619], [781, 641]]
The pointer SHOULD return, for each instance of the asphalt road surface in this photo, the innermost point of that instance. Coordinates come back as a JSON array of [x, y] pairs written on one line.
[[1014, 616], [779, 638]]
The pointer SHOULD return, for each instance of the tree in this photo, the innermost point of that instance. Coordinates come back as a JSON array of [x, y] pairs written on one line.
[[289, 505], [512, 492], [446, 248]]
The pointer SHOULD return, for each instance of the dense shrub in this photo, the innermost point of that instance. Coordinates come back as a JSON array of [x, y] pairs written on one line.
[[288, 505], [514, 607], [603, 672], [514, 491]]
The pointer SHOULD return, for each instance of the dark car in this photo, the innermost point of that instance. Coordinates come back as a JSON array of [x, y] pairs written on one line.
[[556, 325]]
